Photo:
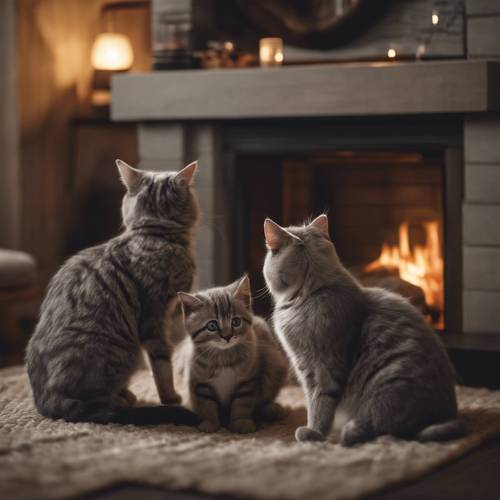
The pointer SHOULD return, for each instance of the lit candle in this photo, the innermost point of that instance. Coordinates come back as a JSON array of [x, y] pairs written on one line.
[[271, 52], [391, 53], [435, 17]]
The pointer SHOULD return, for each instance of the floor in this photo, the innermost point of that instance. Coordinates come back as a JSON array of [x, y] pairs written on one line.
[[474, 476]]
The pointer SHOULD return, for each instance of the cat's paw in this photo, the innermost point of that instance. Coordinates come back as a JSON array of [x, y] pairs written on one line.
[[352, 433], [308, 434], [274, 411], [208, 426], [242, 426], [126, 398], [172, 399]]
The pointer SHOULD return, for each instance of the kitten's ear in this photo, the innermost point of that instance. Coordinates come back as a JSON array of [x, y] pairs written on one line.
[[321, 222], [130, 176], [189, 302], [243, 292], [276, 235], [186, 175]]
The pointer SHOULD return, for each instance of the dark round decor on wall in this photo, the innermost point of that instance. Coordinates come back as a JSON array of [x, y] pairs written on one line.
[[313, 24]]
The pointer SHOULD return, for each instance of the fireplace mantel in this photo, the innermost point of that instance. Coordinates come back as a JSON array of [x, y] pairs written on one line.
[[465, 86]]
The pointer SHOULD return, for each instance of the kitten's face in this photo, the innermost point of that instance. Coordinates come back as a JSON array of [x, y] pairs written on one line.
[[219, 318], [162, 195], [290, 253]]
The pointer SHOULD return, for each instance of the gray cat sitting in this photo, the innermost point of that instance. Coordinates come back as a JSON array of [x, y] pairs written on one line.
[[107, 302], [233, 365], [365, 348]]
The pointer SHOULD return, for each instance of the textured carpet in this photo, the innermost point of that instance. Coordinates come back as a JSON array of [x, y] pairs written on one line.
[[40, 458]]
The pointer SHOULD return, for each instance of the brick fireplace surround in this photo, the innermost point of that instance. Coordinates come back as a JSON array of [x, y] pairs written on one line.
[[186, 115]]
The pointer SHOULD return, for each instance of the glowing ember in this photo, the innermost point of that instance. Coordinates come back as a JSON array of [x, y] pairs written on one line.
[[422, 266]]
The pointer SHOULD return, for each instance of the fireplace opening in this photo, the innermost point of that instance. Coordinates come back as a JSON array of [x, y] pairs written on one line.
[[386, 211]]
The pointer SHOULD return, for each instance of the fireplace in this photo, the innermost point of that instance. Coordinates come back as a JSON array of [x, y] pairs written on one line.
[[317, 118], [311, 126], [392, 194]]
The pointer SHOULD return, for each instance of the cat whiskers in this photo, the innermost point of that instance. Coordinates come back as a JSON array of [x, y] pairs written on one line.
[[262, 292]]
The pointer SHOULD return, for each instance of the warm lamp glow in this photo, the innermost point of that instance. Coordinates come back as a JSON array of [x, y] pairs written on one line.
[[435, 17], [112, 52], [391, 53]]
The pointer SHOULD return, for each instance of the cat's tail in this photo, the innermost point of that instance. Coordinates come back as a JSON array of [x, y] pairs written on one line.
[[102, 412], [153, 415], [451, 429]]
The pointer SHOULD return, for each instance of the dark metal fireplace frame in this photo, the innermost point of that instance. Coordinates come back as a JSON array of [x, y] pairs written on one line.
[[314, 136]]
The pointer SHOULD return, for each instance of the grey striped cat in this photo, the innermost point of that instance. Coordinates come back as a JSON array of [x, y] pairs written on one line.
[[107, 302], [233, 365], [365, 350]]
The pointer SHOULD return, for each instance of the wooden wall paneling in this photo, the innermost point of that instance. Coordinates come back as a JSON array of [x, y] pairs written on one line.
[[10, 188], [55, 76], [135, 22], [96, 191]]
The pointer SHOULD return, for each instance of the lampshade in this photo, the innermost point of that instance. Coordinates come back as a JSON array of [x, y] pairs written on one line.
[[112, 52]]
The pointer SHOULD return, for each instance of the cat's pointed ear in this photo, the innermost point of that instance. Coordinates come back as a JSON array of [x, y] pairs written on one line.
[[130, 176], [276, 235], [321, 222], [243, 291], [186, 175], [189, 302]]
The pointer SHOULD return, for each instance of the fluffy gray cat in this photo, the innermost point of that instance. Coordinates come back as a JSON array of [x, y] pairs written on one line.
[[107, 302], [365, 348], [235, 368]]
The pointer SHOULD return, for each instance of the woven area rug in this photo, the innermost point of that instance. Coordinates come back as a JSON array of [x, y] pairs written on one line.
[[40, 458]]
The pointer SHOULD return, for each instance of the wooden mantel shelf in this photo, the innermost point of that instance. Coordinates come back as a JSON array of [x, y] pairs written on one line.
[[462, 86]]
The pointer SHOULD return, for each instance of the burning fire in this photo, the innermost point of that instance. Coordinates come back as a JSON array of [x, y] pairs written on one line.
[[422, 266]]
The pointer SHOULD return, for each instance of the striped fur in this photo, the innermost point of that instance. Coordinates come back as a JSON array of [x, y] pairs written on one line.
[[365, 352], [235, 370], [107, 302]]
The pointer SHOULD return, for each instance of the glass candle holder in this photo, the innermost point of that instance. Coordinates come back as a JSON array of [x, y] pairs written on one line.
[[172, 48], [271, 52]]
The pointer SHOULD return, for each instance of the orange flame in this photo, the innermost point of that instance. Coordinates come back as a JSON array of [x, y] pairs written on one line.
[[422, 267]]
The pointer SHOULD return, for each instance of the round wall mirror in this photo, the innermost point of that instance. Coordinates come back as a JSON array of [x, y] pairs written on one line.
[[316, 24]]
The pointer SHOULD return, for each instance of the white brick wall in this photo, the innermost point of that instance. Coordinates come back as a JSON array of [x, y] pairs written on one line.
[[481, 226]]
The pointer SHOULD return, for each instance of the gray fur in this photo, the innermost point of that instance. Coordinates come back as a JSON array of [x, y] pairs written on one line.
[[234, 372], [107, 302], [365, 350]]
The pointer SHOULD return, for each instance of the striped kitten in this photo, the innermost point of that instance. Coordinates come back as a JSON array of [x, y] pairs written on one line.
[[234, 367], [107, 302], [364, 351]]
